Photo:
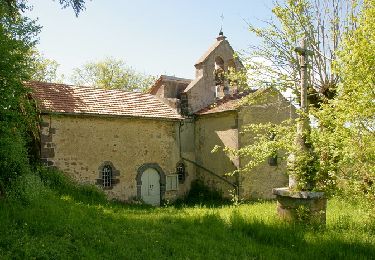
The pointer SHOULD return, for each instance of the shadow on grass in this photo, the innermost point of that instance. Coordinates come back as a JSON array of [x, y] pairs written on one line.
[[84, 225], [56, 228], [302, 241]]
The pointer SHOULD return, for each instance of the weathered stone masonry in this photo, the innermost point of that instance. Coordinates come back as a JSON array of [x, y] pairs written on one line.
[[47, 146], [90, 132]]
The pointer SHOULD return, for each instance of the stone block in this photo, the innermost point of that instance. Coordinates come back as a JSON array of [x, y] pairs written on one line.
[[47, 162], [44, 124], [45, 138], [47, 153], [305, 206]]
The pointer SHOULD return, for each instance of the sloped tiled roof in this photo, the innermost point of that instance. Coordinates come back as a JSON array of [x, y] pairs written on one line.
[[61, 98], [227, 103]]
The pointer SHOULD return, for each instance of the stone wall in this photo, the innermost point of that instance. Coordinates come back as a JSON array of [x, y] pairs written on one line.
[[210, 130], [79, 145], [258, 183], [201, 91]]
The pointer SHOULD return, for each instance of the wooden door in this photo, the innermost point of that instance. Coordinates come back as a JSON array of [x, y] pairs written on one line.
[[150, 189]]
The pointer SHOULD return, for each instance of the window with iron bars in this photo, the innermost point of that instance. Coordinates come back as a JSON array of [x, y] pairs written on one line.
[[107, 176]]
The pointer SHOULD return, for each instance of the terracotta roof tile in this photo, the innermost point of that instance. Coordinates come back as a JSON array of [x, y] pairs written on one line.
[[61, 98], [227, 103]]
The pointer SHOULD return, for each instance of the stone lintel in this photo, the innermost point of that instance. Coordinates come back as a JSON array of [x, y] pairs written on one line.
[[286, 192]]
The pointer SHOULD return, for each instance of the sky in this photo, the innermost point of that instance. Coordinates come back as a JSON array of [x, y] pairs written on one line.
[[152, 36]]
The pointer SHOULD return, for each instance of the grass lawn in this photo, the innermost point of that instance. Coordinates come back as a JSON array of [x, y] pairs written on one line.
[[72, 224]]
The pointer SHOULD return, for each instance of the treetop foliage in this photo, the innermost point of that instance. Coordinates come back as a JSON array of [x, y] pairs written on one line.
[[44, 69], [14, 7], [111, 73], [77, 5], [274, 61]]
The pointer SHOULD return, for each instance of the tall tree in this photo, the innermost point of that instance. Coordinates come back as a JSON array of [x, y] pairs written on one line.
[[17, 37], [14, 7], [111, 73], [349, 119], [17, 114], [274, 63], [322, 23]]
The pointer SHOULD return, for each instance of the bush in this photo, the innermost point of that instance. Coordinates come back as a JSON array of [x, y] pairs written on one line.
[[13, 155], [202, 194], [26, 189], [62, 184]]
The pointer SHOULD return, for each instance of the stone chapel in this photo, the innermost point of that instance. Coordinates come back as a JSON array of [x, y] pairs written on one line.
[[150, 147]]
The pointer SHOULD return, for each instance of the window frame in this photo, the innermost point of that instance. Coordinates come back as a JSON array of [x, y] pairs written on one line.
[[173, 185], [107, 183], [107, 176]]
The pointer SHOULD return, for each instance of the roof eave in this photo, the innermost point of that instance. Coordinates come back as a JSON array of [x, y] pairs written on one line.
[[217, 112], [109, 116]]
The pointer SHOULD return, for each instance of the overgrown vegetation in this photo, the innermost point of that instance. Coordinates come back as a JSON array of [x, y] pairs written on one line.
[[17, 117], [61, 220], [201, 194], [45, 215], [339, 154], [349, 120]]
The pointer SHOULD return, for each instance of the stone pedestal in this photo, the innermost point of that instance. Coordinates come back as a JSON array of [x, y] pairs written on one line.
[[301, 206]]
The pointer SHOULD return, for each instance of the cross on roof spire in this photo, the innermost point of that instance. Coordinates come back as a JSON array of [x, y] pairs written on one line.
[[222, 23], [221, 34]]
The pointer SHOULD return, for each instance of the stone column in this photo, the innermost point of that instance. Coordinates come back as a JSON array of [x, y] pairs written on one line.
[[303, 127], [301, 205]]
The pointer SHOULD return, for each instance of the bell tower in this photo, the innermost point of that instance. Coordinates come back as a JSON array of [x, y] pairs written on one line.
[[211, 69]]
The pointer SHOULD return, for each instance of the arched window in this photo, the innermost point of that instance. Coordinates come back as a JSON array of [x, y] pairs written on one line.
[[180, 170], [231, 66], [219, 71], [219, 63], [232, 82], [107, 176]]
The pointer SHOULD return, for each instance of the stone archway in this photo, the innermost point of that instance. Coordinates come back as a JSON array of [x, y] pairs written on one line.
[[148, 169]]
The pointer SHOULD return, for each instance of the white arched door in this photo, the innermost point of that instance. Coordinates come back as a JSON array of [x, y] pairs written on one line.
[[150, 189]]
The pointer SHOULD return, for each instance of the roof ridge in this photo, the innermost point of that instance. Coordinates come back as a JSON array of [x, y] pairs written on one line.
[[222, 104], [174, 78], [82, 87], [63, 98]]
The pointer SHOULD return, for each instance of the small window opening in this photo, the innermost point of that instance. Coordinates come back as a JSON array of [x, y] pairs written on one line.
[[107, 176], [171, 182], [272, 160], [232, 81], [180, 170], [219, 71]]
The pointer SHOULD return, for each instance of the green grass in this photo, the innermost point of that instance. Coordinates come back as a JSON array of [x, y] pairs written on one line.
[[61, 221]]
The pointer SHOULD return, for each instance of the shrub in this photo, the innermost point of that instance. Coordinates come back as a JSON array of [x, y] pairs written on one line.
[[62, 184], [200, 193], [13, 155]]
